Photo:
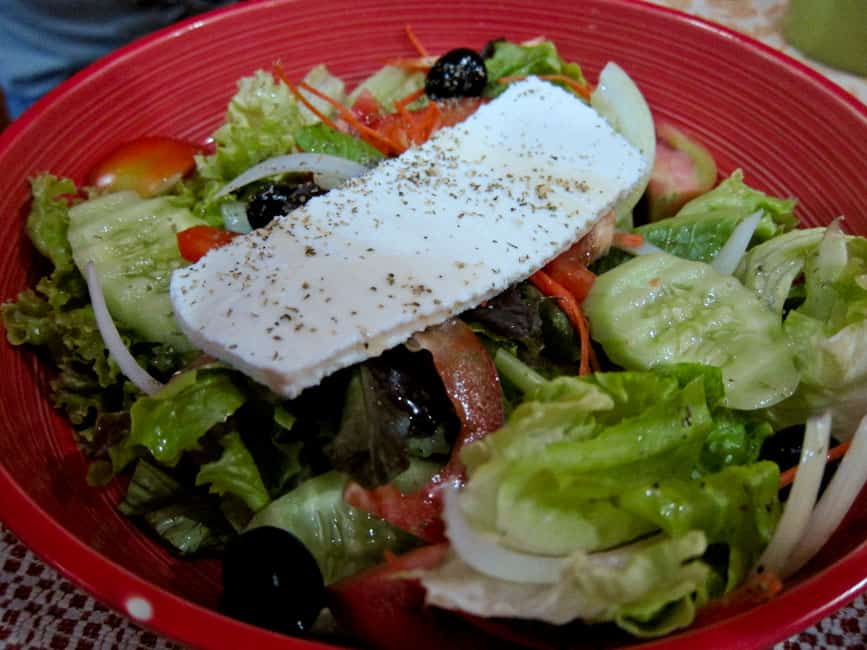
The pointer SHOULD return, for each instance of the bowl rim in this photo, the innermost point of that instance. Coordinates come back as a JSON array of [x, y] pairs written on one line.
[[114, 585]]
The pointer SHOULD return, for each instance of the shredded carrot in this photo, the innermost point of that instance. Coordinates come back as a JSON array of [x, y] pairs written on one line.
[[758, 588], [371, 136], [401, 104], [409, 99], [543, 282], [582, 90], [835, 453], [422, 51], [628, 239], [281, 75], [419, 64]]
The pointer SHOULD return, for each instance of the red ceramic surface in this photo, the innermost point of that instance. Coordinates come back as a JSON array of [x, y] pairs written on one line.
[[792, 132]]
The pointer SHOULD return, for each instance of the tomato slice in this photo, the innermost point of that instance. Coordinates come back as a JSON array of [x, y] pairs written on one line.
[[149, 165], [473, 386], [386, 610], [194, 242], [367, 108], [568, 271]]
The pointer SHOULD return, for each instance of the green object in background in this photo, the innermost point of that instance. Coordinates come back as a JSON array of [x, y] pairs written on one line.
[[830, 31]]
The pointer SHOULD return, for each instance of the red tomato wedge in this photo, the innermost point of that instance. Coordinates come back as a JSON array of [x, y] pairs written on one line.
[[386, 610], [148, 165], [569, 271], [194, 242], [473, 386]]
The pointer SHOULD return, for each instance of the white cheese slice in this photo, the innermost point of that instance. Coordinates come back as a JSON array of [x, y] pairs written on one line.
[[418, 239]]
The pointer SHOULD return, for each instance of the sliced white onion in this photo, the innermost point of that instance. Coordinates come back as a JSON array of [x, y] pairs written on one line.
[[110, 336], [730, 255], [802, 498], [486, 556], [234, 215], [618, 99], [835, 503], [328, 171], [646, 248]]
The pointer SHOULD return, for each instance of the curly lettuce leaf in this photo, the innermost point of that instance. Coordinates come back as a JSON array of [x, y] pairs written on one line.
[[700, 228], [260, 122]]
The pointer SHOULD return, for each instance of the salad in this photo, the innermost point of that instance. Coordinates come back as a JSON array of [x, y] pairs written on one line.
[[634, 436]]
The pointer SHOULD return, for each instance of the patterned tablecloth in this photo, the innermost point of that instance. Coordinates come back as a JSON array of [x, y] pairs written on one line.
[[40, 609]]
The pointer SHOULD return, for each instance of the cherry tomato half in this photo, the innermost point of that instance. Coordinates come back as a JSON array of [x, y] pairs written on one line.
[[194, 242], [149, 165]]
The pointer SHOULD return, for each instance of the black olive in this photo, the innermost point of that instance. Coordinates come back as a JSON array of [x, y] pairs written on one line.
[[270, 579], [277, 199], [458, 73]]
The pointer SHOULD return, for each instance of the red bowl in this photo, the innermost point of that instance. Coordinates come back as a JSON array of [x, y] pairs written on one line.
[[793, 133]]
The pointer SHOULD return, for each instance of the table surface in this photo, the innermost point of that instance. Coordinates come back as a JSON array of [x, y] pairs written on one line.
[[40, 609]]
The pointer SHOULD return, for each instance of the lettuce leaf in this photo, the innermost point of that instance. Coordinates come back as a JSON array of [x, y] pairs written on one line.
[[389, 84], [319, 138], [172, 421], [513, 60], [186, 522], [260, 122], [235, 473], [700, 229], [343, 540], [649, 588], [48, 220], [650, 464], [828, 329]]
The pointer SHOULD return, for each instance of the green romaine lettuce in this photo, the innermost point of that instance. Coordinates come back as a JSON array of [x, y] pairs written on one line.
[[650, 464], [649, 588], [343, 540], [172, 421], [319, 138], [828, 330], [48, 220], [700, 229], [388, 84], [511, 60], [235, 473]]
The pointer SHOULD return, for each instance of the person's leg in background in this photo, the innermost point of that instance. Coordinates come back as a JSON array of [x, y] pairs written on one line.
[[46, 41]]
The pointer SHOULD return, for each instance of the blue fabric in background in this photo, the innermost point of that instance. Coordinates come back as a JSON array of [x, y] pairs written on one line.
[[42, 42]]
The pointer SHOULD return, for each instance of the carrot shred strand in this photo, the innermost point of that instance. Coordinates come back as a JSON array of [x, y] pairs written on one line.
[[835, 453], [413, 39], [278, 71], [628, 239], [369, 135], [543, 282], [420, 64], [582, 90]]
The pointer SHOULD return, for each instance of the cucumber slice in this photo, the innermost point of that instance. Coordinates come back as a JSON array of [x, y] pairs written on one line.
[[659, 309], [132, 243]]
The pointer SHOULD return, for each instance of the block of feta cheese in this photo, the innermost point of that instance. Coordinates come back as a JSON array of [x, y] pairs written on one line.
[[418, 239]]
